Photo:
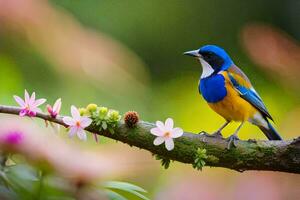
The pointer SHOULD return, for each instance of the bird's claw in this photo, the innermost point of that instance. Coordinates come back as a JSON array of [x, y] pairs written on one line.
[[232, 141], [252, 140], [217, 134], [202, 133]]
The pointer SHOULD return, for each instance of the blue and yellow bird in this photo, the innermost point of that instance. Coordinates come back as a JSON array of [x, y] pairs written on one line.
[[229, 92]]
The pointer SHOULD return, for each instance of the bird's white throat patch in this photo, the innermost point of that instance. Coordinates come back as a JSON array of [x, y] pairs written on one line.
[[207, 70]]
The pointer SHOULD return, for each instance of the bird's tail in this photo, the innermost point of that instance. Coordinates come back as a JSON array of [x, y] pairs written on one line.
[[270, 132]]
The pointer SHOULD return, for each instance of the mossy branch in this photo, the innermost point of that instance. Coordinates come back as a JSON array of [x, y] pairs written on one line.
[[281, 156]]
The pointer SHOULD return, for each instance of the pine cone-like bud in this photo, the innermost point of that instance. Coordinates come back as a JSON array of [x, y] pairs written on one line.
[[131, 118]]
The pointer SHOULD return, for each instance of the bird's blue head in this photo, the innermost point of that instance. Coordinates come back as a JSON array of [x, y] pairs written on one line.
[[213, 59]]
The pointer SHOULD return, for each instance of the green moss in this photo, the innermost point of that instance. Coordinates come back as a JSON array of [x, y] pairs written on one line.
[[239, 162], [261, 151], [165, 162], [212, 159]]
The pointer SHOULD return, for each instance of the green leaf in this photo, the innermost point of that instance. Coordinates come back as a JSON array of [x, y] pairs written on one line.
[[200, 158], [24, 172], [137, 194], [123, 185], [112, 195], [4, 179], [7, 193], [104, 125], [130, 188], [111, 130]]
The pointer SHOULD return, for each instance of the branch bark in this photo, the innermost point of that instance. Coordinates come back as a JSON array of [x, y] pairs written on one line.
[[281, 156]]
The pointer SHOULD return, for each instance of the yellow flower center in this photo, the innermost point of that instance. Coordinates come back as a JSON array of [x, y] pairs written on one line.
[[167, 134], [78, 124]]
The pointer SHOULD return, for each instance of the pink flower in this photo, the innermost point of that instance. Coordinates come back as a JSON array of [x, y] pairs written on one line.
[[56, 108], [12, 138], [30, 106], [165, 133], [77, 123]]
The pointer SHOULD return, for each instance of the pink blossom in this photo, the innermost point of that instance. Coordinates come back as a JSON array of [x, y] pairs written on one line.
[[54, 111], [12, 138], [30, 106], [165, 133], [77, 123]]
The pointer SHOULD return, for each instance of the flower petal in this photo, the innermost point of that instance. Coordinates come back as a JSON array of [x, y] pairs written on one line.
[[176, 133], [156, 131], [158, 140], [75, 113], [19, 100], [85, 122], [73, 130], [169, 143], [38, 102], [160, 125], [81, 134], [49, 109], [27, 97], [35, 109], [169, 124], [32, 98], [57, 106], [69, 121]]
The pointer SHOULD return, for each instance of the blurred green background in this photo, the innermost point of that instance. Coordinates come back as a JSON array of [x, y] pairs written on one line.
[[128, 55]]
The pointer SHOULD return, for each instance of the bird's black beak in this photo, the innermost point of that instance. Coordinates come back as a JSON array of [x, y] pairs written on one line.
[[193, 53]]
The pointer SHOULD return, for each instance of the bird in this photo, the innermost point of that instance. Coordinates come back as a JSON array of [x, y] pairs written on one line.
[[229, 92]]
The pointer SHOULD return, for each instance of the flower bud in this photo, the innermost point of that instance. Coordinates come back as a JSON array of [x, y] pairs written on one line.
[[131, 118], [103, 112], [82, 111], [114, 115], [91, 107]]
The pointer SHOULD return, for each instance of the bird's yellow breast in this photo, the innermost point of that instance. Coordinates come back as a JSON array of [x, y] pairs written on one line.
[[233, 107]]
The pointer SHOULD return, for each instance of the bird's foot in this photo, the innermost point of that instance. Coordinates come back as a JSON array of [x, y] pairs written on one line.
[[252, 140], [232, 141], [202, 133], [217, 134]]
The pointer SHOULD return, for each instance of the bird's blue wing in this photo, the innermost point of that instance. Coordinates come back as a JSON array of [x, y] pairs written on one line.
[[247, 92]]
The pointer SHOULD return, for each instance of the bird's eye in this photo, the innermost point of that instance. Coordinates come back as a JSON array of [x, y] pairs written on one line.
[[209, 55]]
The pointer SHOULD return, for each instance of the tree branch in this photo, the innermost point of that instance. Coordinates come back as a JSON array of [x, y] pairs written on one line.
[[281, 156]]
